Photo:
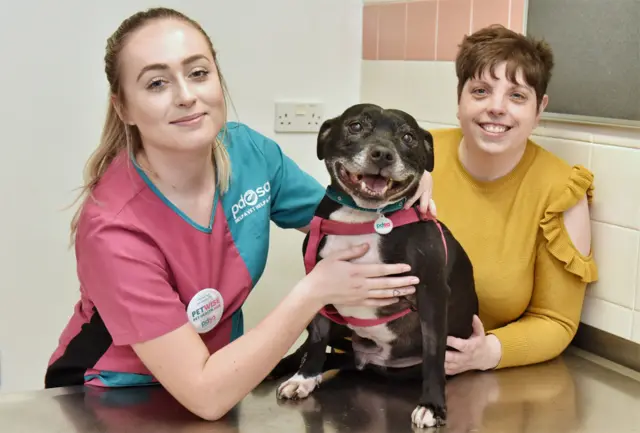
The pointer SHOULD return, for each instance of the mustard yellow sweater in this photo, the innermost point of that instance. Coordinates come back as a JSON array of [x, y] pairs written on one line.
[[530, 279]]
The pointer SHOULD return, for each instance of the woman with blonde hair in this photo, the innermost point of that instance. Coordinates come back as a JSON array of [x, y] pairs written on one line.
[[173, 232]]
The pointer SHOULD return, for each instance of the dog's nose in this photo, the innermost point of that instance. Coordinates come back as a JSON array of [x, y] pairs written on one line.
[[382, 156]]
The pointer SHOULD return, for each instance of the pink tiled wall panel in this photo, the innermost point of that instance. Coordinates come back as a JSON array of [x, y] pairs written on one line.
[[392, 37], [431, 29], [421, 35]]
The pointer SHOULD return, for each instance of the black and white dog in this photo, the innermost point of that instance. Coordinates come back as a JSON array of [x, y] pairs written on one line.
[[376, 158]]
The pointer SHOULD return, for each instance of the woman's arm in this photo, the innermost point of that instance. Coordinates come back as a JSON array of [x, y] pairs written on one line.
[[552, 318], [210, 386]]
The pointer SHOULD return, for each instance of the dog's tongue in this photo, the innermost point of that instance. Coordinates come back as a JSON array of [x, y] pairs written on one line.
[[375, 183]]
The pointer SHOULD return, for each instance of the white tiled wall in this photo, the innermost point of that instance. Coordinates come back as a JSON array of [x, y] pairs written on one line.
[[428, 91]]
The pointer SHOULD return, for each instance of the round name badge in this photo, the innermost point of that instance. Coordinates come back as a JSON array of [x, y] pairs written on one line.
[[383, 225], [205, 310]]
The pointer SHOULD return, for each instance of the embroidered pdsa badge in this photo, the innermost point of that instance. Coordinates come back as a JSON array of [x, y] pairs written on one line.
[[205, 310]]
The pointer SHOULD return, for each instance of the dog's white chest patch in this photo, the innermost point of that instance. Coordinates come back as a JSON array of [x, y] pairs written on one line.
[[335, 243], [380, 334], [379, 354]]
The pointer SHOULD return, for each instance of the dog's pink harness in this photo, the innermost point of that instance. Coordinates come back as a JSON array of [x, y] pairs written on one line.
[[321, 227]]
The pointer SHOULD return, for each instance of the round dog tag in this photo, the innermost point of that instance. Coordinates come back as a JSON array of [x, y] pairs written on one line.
[[383, 225], [205, 310]]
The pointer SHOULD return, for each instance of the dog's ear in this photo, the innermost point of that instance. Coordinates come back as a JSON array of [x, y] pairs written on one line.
[[428, 145], [323, 136]]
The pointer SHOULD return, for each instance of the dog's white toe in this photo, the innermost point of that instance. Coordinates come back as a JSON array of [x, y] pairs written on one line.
[[298, 386], [423, 417]]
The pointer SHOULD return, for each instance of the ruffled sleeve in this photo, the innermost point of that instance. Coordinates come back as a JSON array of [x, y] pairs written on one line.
[[559, 244]]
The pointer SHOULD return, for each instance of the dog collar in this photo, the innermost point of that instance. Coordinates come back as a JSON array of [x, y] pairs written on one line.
[[347, 200], [321, 227]]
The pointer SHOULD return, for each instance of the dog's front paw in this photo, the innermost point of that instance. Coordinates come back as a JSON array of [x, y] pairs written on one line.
[[298, 386], [424, 416]]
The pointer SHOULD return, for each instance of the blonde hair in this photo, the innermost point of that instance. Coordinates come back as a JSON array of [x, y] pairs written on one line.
[[116, 134]]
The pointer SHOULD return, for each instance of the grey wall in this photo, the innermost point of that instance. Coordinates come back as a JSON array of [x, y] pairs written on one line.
[[596, 44]]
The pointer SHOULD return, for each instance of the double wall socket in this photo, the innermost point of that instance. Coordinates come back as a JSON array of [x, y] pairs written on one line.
[[298, 116]]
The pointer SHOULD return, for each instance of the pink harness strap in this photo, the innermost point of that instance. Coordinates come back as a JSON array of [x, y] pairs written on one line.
[[321, 227]]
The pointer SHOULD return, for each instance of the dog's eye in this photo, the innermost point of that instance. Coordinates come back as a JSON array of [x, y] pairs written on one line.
[[355, 127], [407, 138]]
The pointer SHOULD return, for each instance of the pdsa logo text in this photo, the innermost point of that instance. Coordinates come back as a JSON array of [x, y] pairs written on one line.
[[382, 225], [250, 201]]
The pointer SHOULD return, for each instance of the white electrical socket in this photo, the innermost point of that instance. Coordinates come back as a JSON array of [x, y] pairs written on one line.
[[298, 116]]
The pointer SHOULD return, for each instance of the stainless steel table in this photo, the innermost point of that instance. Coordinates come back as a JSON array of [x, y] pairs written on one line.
[[570, 394]]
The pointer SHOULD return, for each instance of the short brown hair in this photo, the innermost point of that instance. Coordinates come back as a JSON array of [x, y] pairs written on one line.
[[488, 47]]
